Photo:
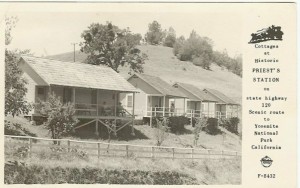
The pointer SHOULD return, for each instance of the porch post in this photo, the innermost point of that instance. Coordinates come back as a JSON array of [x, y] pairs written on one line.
[[133, 117], [208, 109], [225, 110], [164, 105], [201, 110], [74, 95], [97, 131], [184, 101], [97, 103], [115, 126]]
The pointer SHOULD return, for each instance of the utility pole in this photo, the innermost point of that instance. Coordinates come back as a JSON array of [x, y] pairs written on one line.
[[74, 44]]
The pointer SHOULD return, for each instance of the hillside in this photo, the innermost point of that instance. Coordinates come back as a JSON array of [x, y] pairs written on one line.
[[161, 62]]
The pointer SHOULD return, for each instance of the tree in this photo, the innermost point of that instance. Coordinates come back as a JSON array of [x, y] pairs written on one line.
[[108, 45], [202, 61], [170, 38], [155, 34], [195, 48], [200, 124], [60, 118], [15, 84], [160, 132], [178, 45]]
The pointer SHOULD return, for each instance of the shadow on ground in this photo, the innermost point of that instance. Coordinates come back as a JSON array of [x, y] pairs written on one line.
[[125, 134]]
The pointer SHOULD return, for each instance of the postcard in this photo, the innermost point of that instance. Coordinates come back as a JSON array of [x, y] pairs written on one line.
[[149, 93]]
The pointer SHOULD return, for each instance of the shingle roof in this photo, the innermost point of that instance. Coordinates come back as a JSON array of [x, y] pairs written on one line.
[[76, 74], [189, 95], [222, 98], [160, 85], [69, 56], [200, 94]]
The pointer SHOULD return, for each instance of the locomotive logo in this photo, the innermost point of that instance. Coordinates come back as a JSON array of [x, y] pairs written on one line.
[[270, 33], [266, 162]]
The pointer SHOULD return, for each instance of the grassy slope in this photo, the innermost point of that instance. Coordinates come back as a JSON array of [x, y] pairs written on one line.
[[161, 62]]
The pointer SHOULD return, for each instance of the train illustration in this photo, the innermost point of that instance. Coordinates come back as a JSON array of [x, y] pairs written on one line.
[[270, 33]]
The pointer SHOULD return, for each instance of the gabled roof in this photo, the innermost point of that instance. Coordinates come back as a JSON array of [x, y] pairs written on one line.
[[69, 56], [160, 85], [198, 93], [76, 74], [220, 96]]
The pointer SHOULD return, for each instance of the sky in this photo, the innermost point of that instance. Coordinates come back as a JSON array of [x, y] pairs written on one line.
[[49, 33]]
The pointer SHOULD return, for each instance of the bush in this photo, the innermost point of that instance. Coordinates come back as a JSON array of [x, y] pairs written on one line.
[[20, 173], [231, 124], [212, 126], [176, 123], [61, 118]]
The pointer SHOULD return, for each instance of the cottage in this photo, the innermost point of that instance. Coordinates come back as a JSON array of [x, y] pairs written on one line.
[[154, 98], [225, 107], [198, 103], [94, 90]]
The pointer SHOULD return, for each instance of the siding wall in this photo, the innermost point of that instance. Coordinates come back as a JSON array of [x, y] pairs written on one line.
[[30, 95]]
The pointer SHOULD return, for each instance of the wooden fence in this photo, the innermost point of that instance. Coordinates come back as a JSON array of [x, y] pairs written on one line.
[[102, 149]]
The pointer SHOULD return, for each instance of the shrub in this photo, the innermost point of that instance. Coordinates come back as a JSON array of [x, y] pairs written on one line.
[[231, 124], [212, 126], [60, 118], [19, 173], [176, 123]]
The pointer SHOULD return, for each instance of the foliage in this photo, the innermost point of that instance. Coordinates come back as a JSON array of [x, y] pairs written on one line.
[[202, 61], [232, 64], [212, 126], [200, 124], [170, 38], [113, 47], [155, 35], [16, 129], [177, 123], [231, 124], [195, 48], [177, 48], [161, 130], [10, 23], [20, 173], [60, 118], [15, 84]]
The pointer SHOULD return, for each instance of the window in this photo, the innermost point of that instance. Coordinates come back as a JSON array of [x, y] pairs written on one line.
[[129, 101]]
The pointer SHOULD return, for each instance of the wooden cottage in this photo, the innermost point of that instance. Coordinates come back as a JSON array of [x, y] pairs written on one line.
[[94, 90], [198, 102], [154, 98], [225, 107]]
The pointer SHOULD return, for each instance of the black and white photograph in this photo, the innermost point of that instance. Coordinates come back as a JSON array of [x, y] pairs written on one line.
[[123, 94]]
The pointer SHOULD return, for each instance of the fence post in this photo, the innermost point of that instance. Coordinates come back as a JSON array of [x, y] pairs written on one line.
[[192, 154], [152, 153], [30, 146], [127, 154], [173, 151], [222, 154], [236, 153], [98, 150], [69, 143], [208, 153]]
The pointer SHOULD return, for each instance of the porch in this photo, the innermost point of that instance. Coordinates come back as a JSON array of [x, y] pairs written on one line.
[[93, 106]]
